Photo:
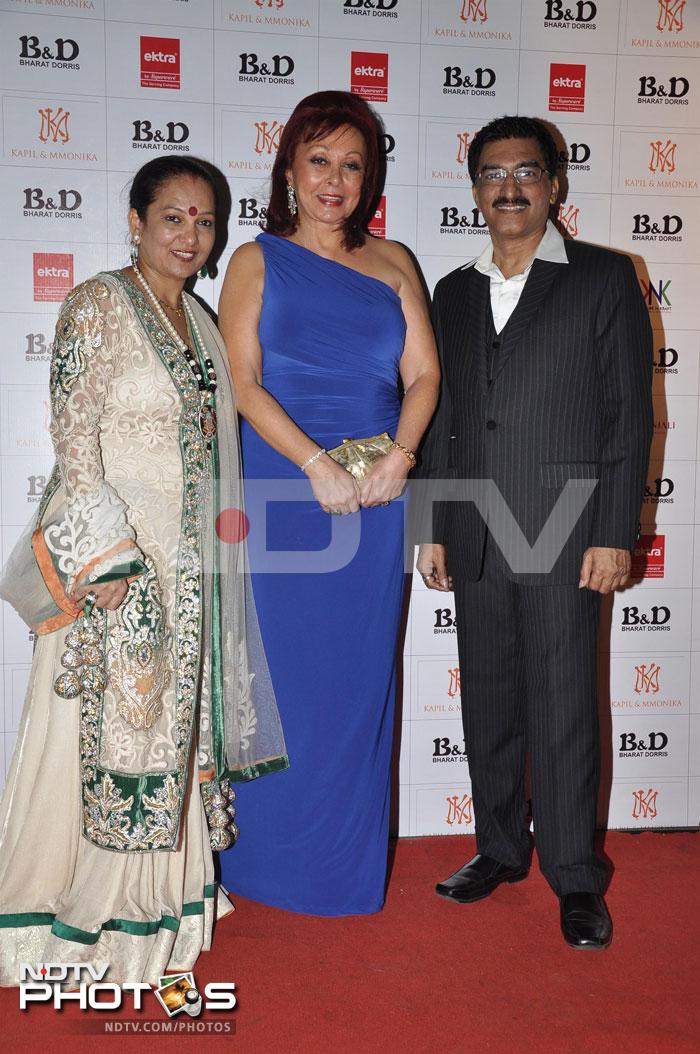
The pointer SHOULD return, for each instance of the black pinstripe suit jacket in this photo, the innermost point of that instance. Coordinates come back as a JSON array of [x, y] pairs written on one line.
[[569, 399]]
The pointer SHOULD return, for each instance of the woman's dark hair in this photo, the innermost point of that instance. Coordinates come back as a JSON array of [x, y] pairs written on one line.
[[313, 118], [151, 177], [513, 128]]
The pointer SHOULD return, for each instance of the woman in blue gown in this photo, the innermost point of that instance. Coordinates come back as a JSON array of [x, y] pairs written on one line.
[[323, 323]]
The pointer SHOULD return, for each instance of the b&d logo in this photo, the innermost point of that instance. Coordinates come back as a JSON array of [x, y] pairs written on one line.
[[649, 556], [371, 8], [36, 485], [658, 491], [276, 70], [445, 621], [652, 746], [567, 87], [580, 15], [377, 224], [666, 229], [666, 360], [656, 619], [657, 93], [458, 81], [62, 205], [36, 349], [174, 135], [160, 62], [369, 75], [250, 214], [444, 750], [453, 221], [53, 276], [576, 158], [60, 54]]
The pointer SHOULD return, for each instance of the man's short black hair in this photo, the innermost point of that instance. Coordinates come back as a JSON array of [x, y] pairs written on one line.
[[513, 128]]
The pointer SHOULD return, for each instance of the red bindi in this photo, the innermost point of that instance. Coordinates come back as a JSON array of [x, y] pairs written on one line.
[[192, 210]]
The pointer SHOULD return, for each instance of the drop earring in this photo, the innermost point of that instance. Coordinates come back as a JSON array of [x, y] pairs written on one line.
[[291, 200], [203, 271], [135, 239]]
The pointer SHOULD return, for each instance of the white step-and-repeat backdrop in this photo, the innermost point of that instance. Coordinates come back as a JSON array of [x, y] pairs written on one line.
[[93, 88]]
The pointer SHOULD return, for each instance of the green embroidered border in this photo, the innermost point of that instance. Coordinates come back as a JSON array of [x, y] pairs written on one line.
[[260, 768], [101, 789], [129, 926]]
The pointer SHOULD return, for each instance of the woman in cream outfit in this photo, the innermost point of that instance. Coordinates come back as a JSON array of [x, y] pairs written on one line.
[[159, 683]]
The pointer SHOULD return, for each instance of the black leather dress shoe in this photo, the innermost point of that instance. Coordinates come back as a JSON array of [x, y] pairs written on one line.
[[585, 921], [478, 878]]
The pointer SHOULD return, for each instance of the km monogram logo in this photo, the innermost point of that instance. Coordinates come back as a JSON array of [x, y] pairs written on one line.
[[473, 11], [647, 678], [644, 804], [568, 217], [671, 16], [459, 810], [267, 136], [462, 146], [663, 156], [54, 125], [454, 687]]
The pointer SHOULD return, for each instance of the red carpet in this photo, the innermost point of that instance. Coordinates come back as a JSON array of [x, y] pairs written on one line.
[[433, 977]]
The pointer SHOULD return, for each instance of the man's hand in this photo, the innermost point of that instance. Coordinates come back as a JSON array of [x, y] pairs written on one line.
[[432, 567], [604, 570]]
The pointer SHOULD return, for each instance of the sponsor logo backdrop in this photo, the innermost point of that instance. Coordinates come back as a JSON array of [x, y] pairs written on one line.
[[90, 89]]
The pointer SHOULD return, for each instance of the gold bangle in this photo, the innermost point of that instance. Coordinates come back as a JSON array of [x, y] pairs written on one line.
[[406, 452]]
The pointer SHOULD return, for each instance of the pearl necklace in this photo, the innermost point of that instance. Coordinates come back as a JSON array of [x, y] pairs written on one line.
[[207, 388]]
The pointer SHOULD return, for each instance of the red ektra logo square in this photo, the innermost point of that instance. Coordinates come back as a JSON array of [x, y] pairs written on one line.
[[160, 62], [53, 276], [377, 225], [369, 75], [567, 87], [648, 556]]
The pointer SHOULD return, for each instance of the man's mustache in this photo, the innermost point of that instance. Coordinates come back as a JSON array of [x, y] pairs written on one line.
[[509, 201]]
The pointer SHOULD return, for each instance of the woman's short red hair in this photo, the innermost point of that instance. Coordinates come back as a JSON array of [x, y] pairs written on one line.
[[313, 118]]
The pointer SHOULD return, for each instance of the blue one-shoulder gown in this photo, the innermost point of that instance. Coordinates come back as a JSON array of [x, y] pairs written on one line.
[[314, 837]]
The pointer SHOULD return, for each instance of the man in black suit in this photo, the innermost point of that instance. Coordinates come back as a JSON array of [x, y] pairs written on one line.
[[546, 351]]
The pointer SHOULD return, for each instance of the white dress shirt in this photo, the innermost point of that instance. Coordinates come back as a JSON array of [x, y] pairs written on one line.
[[505, 292]]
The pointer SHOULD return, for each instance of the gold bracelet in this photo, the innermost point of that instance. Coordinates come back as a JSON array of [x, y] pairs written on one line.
[[406, 453]]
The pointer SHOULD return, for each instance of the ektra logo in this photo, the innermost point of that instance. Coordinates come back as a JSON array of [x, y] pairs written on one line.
[[53, 276], [369, 75], [377, 225], [567, 87], [649, 556], [160, 62]]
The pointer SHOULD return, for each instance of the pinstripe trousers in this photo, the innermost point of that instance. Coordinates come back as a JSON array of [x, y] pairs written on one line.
[[528, 659]]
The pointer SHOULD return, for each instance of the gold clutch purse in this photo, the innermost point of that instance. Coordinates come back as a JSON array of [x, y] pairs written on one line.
[[358, 455]]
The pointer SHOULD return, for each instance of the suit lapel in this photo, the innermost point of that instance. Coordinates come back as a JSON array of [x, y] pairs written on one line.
[[537, 288], [478, 293]]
